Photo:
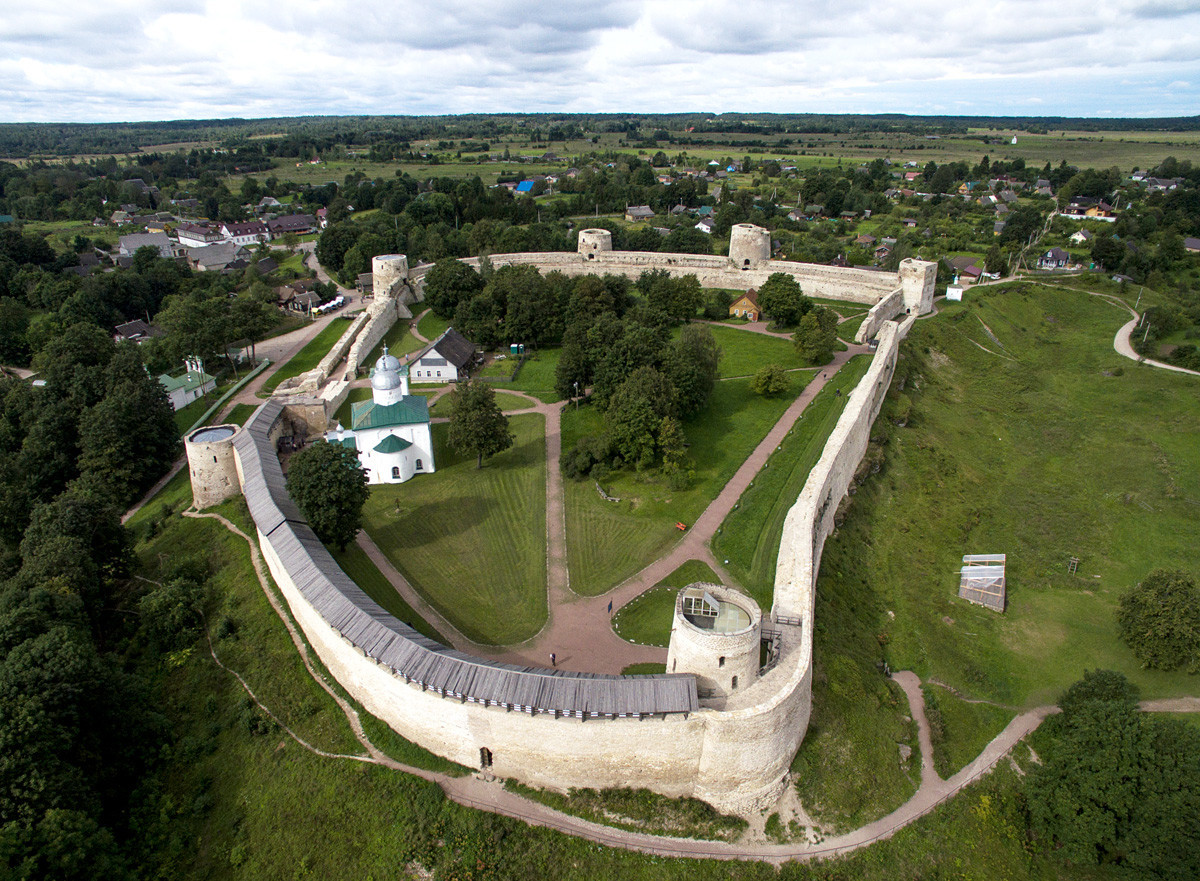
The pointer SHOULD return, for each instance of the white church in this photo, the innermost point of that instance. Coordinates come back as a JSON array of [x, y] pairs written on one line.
[[390, 432]]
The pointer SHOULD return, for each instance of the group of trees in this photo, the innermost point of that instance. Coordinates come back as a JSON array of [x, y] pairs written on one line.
[[79, 728], [1118, 786]]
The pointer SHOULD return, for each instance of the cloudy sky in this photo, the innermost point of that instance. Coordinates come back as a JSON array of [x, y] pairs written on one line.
[[121, 60]]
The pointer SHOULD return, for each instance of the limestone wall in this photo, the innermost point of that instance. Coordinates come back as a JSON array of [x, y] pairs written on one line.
[[886, 309], [810, 520], [829, 282], [382, 316], [538, 749]]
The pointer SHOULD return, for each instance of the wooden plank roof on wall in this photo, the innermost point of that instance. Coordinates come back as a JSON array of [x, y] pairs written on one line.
[[418, 659]]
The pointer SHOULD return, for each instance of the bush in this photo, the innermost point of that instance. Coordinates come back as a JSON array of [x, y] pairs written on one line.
[[582, 459], [770, 381]]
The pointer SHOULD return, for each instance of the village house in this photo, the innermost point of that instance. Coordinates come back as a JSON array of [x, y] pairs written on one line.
[[446, 359], [1090, 209], [218, 257], [746, 306], [197, 235], [298, 224], [128, 245], [136, 331], [249, 233], [1055, 258], [635, 213]]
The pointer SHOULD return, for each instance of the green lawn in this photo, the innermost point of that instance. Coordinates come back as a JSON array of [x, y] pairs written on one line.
[[1055, 454], [186, 417], [355, 563], [473, 542], [506, 402], [399, 341], [431, 327], [748, 540], [239, 414], [646, 619], [308, 357], [537, 376], [743, 352], [607, 542], [959, 729], [848, 328]]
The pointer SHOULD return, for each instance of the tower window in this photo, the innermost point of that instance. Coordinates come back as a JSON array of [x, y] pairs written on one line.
[[721, 662], [735, 682], [396, 473]]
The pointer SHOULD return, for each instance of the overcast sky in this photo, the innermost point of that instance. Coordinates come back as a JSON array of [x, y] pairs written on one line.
[[121, 60]]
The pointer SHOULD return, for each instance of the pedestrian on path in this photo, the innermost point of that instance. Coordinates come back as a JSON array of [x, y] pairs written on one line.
[[553, 660]]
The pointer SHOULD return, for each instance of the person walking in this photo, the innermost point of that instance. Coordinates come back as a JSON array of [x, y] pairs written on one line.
[[553, 660]]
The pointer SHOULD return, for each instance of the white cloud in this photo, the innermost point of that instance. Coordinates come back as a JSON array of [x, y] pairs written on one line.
[[211, 58]]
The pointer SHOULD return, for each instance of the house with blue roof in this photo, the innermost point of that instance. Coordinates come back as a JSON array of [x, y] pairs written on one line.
[[390, 433], [525, 186]]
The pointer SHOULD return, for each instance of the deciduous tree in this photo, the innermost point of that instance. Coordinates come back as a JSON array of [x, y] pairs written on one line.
[[477, 424], [330, 486], [1159, 619]]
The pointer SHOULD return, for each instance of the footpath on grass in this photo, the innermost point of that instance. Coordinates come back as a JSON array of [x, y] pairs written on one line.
[[490, 795], [578, 631]]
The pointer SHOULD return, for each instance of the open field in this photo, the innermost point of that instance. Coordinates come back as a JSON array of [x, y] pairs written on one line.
[[607, 542], [308, 357], [1050, 448], [748, 540], [646, 620], [473, 541], [504, 401]]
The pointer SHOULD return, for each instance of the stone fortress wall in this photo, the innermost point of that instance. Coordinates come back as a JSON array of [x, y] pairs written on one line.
[[734, 752]]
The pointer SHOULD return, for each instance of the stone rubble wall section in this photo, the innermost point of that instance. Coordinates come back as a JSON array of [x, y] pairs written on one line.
[[382, 317]]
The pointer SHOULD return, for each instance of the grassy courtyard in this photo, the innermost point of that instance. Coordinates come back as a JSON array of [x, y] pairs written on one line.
[[606, 541], [743, 352], [473, 541], [646, 619], [748, 540]]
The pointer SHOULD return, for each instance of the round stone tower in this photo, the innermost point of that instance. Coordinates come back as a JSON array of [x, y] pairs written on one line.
[[386, 271], [749, 245], [715, 636], [592, 241], [211, 465]]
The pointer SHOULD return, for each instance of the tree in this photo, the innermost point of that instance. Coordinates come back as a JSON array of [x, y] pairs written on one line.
[[477, 424], [770, 381], [816, 335], [330, 487], [1116, 785], [449, 283], [691, 365], [635, 415], [1159, 619], [782, 300]]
